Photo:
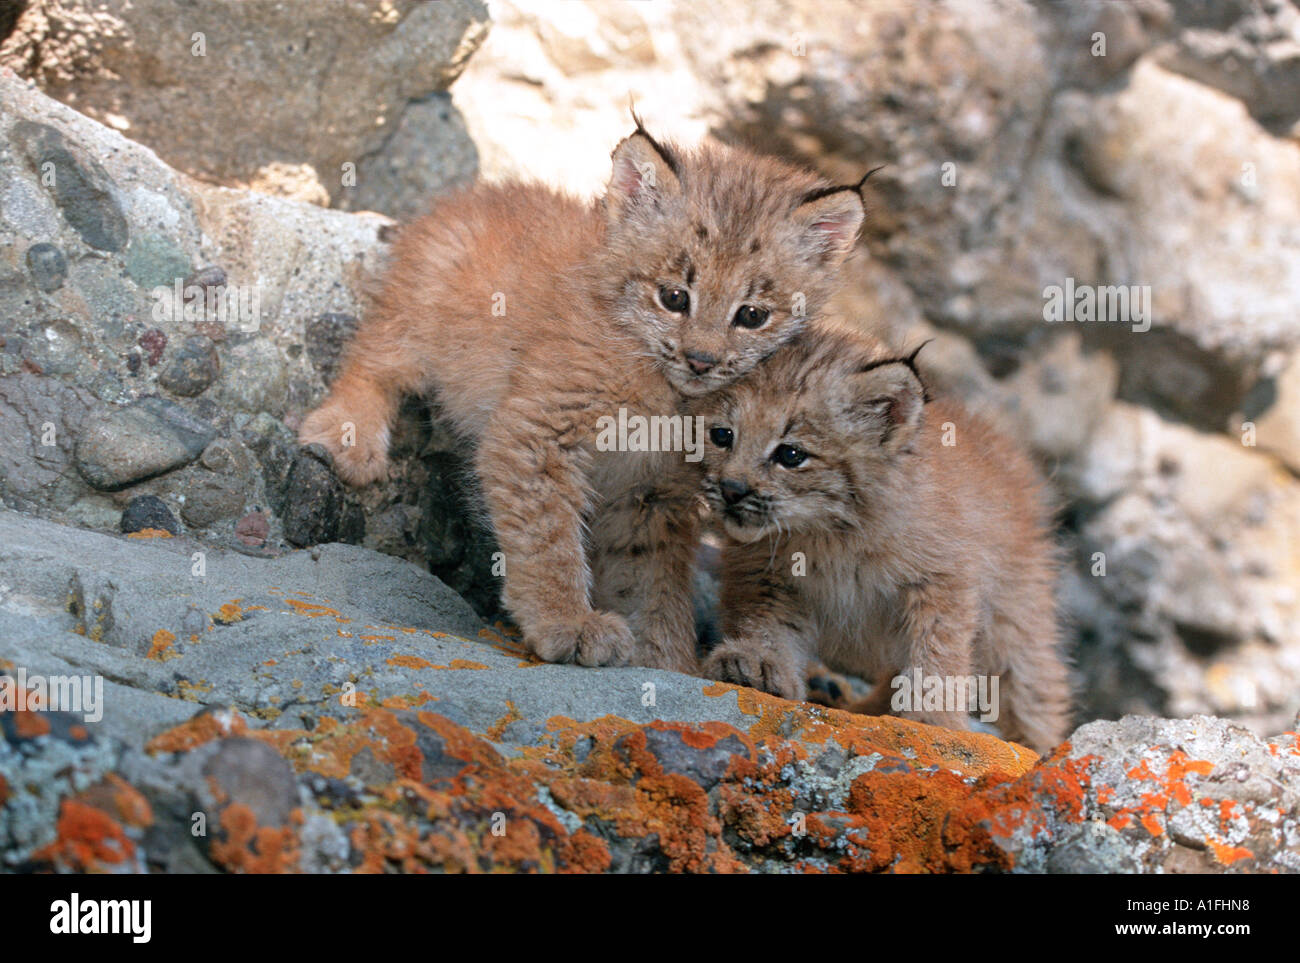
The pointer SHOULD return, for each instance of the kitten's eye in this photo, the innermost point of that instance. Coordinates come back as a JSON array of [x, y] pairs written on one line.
[[789, 456], [722, 437], [676, 300], [751, 317]]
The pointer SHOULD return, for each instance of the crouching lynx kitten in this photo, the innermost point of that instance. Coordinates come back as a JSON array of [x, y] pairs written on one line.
[[533, 315], [882, 533]]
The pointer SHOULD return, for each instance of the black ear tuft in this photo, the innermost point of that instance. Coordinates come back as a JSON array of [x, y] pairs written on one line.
[[821, 192], [665, 154], [910, 361]]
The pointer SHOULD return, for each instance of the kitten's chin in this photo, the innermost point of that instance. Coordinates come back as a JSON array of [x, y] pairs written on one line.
[[690, 385], [743, 533]]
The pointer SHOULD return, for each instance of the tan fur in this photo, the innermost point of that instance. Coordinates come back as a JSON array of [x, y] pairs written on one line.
[[918, 554], [598, 545]]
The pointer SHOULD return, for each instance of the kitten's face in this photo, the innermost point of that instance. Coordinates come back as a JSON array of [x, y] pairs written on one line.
[[715, 258], [809, 441]]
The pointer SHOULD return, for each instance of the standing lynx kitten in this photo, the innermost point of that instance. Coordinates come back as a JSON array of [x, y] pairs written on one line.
[[533, 316], [882, 533]]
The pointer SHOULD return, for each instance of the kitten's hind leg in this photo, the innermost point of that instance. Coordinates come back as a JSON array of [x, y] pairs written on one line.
[[534, 480], [939, 619], [1034, 688]]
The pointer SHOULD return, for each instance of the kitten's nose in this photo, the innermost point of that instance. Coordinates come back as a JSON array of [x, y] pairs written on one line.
[[699, 361], [733, 491]]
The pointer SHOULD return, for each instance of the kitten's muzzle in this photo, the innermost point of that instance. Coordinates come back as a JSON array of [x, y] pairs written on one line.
[[733, 491], [700, 362]]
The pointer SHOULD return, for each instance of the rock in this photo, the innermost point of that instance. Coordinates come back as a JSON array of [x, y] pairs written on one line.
[[1188, 562], [314, 505], [149, 512], [193, 367], [428, 154], [255, 377], [126, 445], [40, 420], [1249, 51], [48, 266], [227, 103], [218, 487], [251, 775], [325, 340], [1274, 408], [369, 719]]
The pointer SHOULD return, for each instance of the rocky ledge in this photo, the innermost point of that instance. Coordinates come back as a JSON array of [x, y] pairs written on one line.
[[279, 715]]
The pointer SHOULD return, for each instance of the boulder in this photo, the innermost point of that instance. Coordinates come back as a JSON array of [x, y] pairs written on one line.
[[223, 90]]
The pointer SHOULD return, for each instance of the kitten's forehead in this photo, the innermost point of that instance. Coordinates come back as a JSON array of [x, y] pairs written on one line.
[[804, 384], [735, 198]]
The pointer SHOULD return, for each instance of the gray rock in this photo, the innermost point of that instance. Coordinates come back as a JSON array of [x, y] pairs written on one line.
[[127, 445], [252, 774]]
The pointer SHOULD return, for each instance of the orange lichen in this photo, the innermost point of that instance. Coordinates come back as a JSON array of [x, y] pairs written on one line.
[[29, 725], [411, 662], [87, 840], [250, 848], [161, 649], [311, 610], [195, 732], [150, 533], [498, 728], [1227, 855]]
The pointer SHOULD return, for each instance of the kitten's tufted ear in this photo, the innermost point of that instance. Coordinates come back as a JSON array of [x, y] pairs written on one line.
[[888, 397], [645, 171], [829, 221]]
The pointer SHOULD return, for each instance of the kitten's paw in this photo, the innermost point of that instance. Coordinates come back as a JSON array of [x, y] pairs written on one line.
[[759, 667], [597, 638], [356, 441]]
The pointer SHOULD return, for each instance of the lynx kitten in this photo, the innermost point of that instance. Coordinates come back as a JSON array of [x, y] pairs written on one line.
[[532, 316], [882, 533]]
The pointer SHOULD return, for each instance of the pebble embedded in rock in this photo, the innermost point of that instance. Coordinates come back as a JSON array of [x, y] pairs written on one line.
[[149, 511], [81, 187], [154, 343], [48, 266], [253, 529], [193, 368], [126, 445]]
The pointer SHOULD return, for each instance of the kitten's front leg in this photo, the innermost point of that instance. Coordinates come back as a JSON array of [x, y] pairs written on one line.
[[534, 480], [382, 363], [765, 637]]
